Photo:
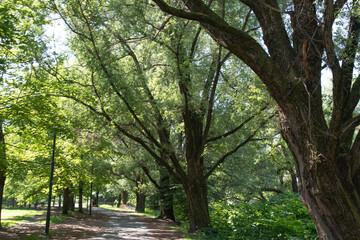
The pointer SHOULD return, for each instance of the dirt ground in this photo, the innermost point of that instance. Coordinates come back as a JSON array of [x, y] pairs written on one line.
[[80, 226], [76, 226]]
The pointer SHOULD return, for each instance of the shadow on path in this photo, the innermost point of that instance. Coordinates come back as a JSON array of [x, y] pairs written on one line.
[[125, 225]]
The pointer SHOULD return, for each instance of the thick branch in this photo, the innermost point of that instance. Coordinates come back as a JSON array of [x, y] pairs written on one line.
[[349, 62], [146, 171], [353, 98], [350, 125]]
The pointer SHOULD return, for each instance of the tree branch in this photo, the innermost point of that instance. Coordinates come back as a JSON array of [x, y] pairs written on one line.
[[238, 127], [271, 190], [146, 171], [350, 125], [247, 140]]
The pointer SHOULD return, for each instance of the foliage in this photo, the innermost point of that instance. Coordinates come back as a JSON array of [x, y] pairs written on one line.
[[281, 217]]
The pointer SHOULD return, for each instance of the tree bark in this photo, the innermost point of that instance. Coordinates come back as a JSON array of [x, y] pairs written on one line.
[[3, 166], [328, 193], [66, 201], [97, 199], [294, 183], [2, 185], [59, 201], [125, 196], [140, 202], [81, 198], [166, 196], [72, 201], [119, 200], [196, 192], [327, 166]]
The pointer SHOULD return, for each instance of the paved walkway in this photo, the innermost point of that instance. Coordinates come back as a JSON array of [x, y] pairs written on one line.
[[124, 225]]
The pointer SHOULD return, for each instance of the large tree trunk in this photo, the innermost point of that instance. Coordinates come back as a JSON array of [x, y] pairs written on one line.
[[326, 185], [66, 201], [140, 202], [196, 192]]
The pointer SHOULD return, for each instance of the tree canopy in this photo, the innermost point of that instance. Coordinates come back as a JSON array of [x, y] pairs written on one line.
[[207, 101]]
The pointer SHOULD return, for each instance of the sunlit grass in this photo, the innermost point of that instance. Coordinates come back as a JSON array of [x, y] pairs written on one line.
[[16, 216], [58, 218], [148, 212]]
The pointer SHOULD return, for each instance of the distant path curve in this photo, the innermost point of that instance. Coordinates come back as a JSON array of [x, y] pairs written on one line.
[[125, 225]]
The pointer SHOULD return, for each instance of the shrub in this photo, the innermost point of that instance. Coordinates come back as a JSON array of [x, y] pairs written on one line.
[[281, 217]]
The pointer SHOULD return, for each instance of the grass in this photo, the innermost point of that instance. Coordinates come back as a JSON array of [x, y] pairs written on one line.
[[57, 218], [16, 216], [148, 212]]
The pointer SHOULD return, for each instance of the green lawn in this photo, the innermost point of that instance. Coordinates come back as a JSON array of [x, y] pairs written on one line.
[[15, 216]]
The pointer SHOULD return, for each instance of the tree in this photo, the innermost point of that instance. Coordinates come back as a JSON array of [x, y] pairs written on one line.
[[21, 24], [299, 39], [123, 86]]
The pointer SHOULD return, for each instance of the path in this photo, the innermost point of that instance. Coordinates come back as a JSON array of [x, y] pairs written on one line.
[[125, 225]]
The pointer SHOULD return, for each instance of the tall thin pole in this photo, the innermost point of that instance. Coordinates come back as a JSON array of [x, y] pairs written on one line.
[[47, 227], [91, 187]]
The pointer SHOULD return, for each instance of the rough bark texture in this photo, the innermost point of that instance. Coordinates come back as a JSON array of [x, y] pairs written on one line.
[[196, 192]]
